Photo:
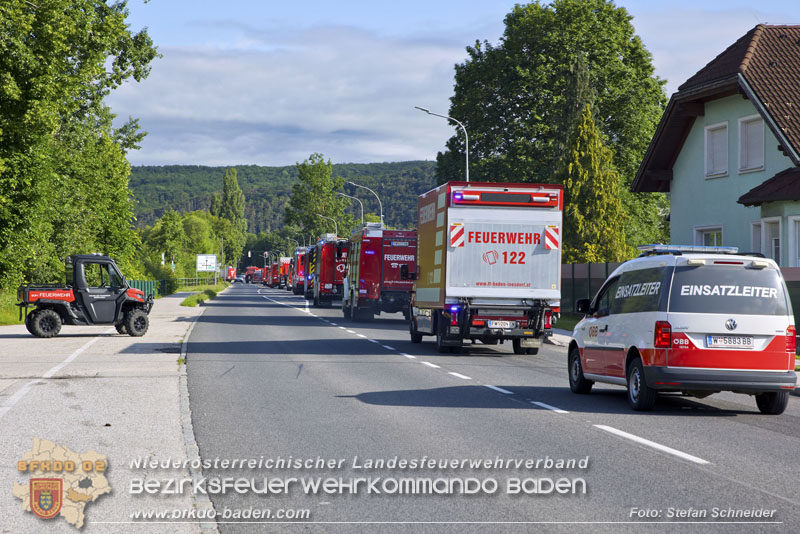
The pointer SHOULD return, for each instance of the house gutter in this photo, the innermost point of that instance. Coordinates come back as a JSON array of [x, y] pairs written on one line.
[[784, 142]]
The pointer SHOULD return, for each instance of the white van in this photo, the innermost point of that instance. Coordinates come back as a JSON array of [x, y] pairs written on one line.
[[696, 320]]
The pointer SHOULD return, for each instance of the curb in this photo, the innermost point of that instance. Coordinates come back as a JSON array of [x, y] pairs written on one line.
[[202, 502]]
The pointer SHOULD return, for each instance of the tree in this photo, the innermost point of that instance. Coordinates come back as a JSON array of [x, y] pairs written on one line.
[[315, 195], [231, 208], [594, 218], [58, 61], [516, 99]]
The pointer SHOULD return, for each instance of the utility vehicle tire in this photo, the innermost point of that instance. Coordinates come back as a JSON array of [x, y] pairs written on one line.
[[641, 396], [45, 323], [136, 322], [773, 402], [28, 322], [121, 328], [577, 382]]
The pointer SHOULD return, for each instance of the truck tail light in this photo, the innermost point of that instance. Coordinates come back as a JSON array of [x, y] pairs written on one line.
[[478, 322], [663, 335], [548, 315], [454, 318], [791, 340]]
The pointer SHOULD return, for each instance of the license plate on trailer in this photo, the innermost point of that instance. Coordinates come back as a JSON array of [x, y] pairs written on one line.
[[502, 324], [729, 342]]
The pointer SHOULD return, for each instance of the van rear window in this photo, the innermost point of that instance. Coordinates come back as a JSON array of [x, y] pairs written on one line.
[[730, 290]]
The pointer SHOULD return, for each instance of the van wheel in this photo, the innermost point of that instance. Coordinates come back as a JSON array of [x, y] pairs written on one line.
[[45, 323], [641, 396], [577, 382], [773, 402], [136, 322]]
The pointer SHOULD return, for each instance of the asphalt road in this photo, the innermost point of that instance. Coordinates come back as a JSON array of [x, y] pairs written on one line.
[[270, 378]]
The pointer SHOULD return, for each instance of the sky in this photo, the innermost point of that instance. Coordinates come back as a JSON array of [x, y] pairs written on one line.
[[270, 82]]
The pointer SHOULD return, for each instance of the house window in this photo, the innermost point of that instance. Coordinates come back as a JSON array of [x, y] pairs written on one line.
[[794, 241], [751, 143], [709, 236], [771, 238], [717, 150]]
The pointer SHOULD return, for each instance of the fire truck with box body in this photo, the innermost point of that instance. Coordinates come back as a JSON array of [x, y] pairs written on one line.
[[298, 270], [230, 274], [331, 258], [285, 262], [310, 268], [249, 273], [274, 278], [374, 281], [489, 264]]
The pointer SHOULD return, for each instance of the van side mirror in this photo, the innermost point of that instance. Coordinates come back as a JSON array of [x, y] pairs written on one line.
[[583, 306]]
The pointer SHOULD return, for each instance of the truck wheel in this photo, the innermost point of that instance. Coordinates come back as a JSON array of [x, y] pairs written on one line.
[[45, 323], [346, 313], [136, 322], [773, 402], [577, 382], [121, 328], [316, 302], [416, 337], [440, 346], [641, 396], [517, 345]]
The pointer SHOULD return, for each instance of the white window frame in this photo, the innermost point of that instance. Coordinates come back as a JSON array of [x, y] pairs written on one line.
[[792, 221], [764, 245], [742, 168], [707, 129], [753, 247], [700, 230]]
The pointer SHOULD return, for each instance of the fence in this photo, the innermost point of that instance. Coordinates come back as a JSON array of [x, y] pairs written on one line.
[[583, 280]]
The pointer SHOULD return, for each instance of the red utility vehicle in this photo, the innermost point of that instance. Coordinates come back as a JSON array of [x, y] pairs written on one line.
[[374, 281]]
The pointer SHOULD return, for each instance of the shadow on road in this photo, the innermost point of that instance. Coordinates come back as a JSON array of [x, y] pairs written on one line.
[[604, 401]]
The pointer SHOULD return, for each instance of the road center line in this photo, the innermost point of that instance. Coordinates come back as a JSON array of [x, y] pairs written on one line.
[[408, 356], [429, 364], [387, 347], [361, 335], [653, 444], [548, 407], [459, 375], [349, 331], [501, 390], [372, 340]]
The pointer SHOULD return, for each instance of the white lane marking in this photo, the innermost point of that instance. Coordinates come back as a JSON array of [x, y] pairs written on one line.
[[429, 364], [333, 324], [459, 375], [306, 301], [501, 390], [408, 356], [387, 347], [21, 392], [371, 340], [349, 331], [362, 335], [342, 328], [548, 407], [653, 444]]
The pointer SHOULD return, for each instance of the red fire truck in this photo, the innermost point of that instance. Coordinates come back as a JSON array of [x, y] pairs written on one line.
[[274, 275], [374, 281], [250, 273], [230, 274], [285, 262], [331, 257], [298, 271]]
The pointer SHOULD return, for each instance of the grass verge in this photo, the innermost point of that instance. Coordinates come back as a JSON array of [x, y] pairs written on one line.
[[9, 313], [567, 321], [203, 293]]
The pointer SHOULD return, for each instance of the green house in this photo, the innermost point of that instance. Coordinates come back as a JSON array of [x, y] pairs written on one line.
[[727, 150]]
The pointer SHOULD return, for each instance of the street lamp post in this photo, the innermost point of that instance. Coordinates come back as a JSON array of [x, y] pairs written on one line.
[[466, 137], [336, 226], [380, 205], [359, 201]]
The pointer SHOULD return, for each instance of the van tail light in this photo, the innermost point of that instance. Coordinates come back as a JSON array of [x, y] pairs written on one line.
[[663, 335], [791, 340], [548, 315]]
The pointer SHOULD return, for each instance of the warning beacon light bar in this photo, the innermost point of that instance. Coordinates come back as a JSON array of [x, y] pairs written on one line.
[[648, 250], [518, 197]]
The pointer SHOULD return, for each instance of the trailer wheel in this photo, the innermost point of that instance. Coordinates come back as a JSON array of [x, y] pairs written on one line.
[[45, 323], [136, 322], [773, 402]]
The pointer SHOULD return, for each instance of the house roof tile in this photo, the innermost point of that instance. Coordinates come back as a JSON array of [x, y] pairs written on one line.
[[783, 186]]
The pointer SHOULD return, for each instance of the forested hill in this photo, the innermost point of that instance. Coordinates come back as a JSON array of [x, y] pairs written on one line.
[[267, 189]]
